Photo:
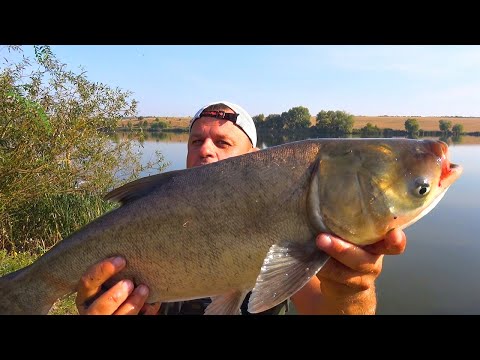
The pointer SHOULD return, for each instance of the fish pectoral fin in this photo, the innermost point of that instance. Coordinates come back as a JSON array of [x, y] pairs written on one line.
[[285, 270], [227, 304]]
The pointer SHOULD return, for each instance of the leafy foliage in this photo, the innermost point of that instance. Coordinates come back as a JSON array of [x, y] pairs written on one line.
[[412, 126], [370, 130], [258, 119], [272, 122], [297, 118], [445, 126], [54, 139], [457, 129], [338, 122]]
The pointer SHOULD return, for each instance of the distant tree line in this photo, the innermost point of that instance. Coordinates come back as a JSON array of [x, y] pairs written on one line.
[[331, 123], [446, 128], [299, 118], [339, 123], [143, 125]]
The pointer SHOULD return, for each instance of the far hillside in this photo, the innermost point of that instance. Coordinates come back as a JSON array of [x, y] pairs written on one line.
[[172, 121], [428, 123]]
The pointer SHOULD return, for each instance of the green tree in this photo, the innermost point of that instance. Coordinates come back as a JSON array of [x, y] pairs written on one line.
[[412, 126], [273, 122], [338, 122], [457, 129], [157, 125], [297, 118], [324, 121], [370, 130], [54, 136], [162, 124], [258, 119], [444, 126]]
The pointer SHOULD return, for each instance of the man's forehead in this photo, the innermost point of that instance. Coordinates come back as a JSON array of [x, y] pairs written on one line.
[[206, 122], [216, 126]]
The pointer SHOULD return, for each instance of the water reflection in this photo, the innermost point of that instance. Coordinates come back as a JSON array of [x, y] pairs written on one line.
[[267, 139]]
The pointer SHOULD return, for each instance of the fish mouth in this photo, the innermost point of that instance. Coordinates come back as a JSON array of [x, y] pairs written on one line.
[[450, 171], [454, 170]]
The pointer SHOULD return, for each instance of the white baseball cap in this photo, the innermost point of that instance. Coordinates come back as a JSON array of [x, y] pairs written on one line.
[[242, 119]]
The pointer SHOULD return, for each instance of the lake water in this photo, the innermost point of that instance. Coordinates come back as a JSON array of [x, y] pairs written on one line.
[[439, 271]]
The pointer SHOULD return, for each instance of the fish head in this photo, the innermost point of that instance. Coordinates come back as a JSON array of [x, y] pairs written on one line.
[[430, 174], [375, 186]]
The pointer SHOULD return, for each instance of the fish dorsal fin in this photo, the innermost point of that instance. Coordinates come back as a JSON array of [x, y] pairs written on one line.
[[227, 304], [285, 270], [138, 188]]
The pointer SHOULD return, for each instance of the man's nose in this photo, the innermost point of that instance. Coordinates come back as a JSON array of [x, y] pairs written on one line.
[[207, 148]]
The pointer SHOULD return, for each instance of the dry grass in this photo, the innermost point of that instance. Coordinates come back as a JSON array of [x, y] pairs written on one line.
[[426, 123], [173, 122]]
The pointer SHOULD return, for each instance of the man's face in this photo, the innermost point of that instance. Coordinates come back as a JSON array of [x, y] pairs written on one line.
[[214, 139]]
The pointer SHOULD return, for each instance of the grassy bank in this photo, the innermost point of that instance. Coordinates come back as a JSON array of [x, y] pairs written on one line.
[[16, 260], [30, 229], [37, 225]]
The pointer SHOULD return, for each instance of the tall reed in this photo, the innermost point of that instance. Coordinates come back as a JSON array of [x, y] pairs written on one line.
[[36, 226]]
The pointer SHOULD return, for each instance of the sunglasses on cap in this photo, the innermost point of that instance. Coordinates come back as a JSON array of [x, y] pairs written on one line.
[[219, 115]]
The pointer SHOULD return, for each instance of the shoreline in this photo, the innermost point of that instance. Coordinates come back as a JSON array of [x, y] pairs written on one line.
[[430, 123]]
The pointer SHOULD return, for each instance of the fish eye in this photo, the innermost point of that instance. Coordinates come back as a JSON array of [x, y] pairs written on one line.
[[421, 187]]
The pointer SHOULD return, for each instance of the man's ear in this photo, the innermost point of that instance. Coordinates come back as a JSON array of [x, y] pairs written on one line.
[[254, 149]]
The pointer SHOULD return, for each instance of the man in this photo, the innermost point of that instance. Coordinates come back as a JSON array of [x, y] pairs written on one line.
[[345, 285]]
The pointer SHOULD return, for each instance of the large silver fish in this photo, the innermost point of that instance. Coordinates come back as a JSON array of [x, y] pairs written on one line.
[[247, 222]]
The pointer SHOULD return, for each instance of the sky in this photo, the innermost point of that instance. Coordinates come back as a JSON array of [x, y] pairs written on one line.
[[395, 80]]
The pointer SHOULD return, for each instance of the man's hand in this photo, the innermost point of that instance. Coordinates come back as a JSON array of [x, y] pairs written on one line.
[[346, 283], [121, 299], [348, 279]]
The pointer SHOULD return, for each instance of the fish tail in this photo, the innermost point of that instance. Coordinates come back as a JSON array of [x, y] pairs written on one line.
[[19, 295]]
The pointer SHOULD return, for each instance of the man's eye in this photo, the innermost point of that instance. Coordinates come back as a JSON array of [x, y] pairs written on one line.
[[197, 142], [223, 143]]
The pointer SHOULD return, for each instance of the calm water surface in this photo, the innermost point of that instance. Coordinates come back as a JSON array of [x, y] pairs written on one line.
[[439, 273]]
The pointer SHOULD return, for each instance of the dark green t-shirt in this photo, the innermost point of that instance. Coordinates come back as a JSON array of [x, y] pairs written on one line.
[[198, 306]]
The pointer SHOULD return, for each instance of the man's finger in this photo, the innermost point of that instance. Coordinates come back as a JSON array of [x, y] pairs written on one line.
[[134, 303], [112, 299], [91, 282], [348, 254], [393, 244]]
